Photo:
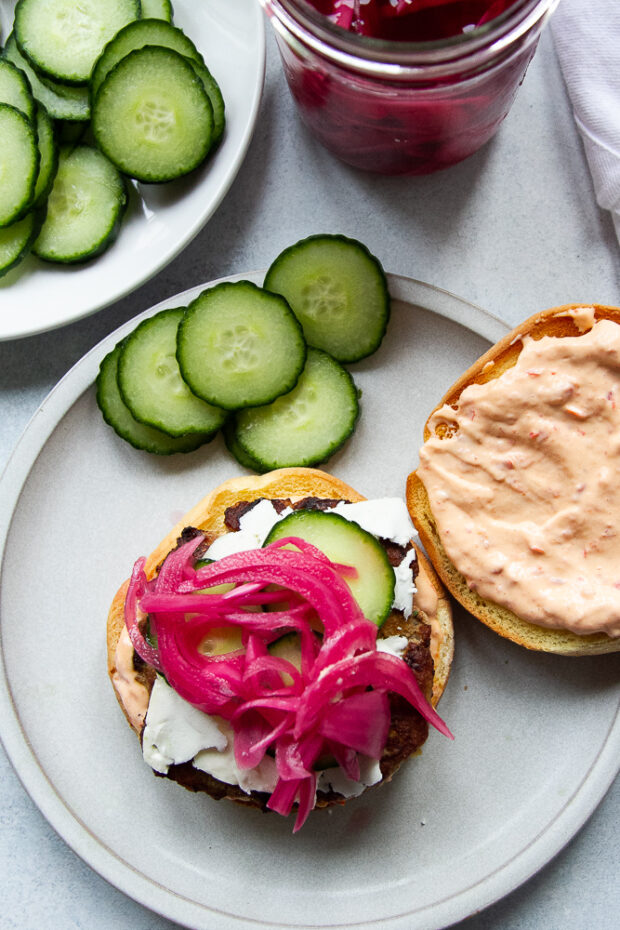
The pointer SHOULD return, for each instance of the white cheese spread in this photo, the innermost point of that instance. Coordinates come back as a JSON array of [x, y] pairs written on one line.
[[336, 780], [404, 589], [386, 517], [176, 731], [254, 528], [396, 645]]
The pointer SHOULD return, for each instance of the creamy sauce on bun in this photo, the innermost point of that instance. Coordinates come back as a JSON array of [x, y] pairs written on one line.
[[523, 478]]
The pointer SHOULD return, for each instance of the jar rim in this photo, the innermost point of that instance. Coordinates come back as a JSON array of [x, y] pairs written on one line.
[[365, 53]]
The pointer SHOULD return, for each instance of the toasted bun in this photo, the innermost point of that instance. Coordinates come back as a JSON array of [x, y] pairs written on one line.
[[294, 484], [558, 322]]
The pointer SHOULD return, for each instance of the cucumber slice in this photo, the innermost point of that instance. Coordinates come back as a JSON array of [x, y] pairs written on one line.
[[76, 94], [337, 290], [150, 381], [287, 647], [71, 132], [235, 449], [48, 155], [305, 426], [152, 116], [157, 9], [15, 88], [16, 240], [58, 107], [215, 96], [347, 543], [134, 36], [84, 208], [19, 163], [221, 640], [158, 32], [118, 416], [239, 346], [63, 39]]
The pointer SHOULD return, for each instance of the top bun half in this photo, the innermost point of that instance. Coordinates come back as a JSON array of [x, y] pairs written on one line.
[[570, 320]]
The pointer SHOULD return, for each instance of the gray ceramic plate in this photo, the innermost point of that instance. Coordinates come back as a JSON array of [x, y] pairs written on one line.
[[537, 737]]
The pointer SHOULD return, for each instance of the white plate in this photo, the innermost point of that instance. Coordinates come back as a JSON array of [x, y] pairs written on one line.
[[537, 737], [161, 219]]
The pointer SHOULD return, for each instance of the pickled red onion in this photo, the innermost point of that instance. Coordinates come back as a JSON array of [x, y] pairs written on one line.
[[347, 759], [347, 722], [299, 714], [137, 585], [254, 737], [285, 793], [379, 670]]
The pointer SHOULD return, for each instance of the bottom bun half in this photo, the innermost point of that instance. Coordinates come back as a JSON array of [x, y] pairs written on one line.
[[429, 629]]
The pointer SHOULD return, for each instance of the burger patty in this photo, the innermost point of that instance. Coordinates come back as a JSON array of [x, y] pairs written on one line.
[[408, 729]]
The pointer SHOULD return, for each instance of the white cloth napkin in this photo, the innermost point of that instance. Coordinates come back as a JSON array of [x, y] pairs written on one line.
[[587, 39]]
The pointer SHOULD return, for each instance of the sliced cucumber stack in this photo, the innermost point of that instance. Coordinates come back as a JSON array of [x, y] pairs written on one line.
[[307, 425], [337, 290], [15, 88], [159, 113], [240, 346], [119, 417], [59, 105], [63, 39], [161, 33], [19, 163], [152, 116], [346, 543], [134, 36], [230, 438], [151, 384], [214, 94], [48, 155], [16, 240], [157, 9], [84, 208]]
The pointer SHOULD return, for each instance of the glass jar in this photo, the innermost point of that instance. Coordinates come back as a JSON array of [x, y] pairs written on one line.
[[398, 107]]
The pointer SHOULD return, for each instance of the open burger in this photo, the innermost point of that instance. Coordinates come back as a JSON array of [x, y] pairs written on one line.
[[284, 646], [517, 495]]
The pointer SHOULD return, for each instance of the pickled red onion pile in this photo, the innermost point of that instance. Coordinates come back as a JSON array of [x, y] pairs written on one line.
[[336, 703]]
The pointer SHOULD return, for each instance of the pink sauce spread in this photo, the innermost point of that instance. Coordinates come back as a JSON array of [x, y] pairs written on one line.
[[526, 487], [133, 694], [426, 599]]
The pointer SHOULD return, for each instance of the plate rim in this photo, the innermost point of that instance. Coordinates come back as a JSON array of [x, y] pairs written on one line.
[[536, 853], [194, 228]]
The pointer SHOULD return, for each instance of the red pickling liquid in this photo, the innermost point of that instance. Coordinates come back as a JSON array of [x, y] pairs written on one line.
[[391, 127], [416, 21]]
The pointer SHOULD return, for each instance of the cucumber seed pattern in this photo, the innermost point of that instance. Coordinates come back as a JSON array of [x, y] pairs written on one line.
[[68, 200], [76, 26], [297, 411], [167, 371], [238, 349], [323, 299], [154, 121]]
